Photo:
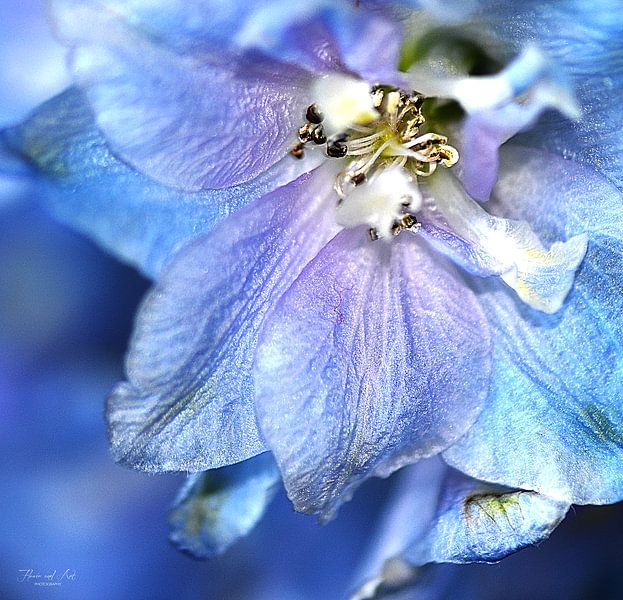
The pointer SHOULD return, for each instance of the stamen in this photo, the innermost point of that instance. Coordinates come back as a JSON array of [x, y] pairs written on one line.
[[391, 141]]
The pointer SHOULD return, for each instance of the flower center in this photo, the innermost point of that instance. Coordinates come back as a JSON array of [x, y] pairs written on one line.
[[375, 135]]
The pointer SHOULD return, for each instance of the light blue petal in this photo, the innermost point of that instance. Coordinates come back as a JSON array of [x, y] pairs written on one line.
[[87, 187], [438, 515], [214, 509], [486, 244], [479, 522], [188, 402], [326, 36], [376, 357], [481, 137], [554, 418], [191, 120], [584, 38], [407, 515]]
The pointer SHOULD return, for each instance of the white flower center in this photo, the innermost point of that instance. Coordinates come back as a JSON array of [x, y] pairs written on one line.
[[376, 132]]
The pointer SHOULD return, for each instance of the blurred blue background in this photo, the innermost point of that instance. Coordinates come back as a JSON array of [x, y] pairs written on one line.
[[66, 312]]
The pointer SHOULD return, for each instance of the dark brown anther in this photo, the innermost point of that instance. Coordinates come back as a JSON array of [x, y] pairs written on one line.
[[314, 114], [298, 151], [417, 100], [407, 221], [336, 149], [305, 133], [358, 179], [373, 234], [318, 136]]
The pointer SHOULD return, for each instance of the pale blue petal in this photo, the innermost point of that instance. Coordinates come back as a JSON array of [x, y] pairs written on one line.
[[554, 418], [407, 515], [214, 509], [326, 36], [87, 187], [189, 120], [436, 514], [376, 357], [486, 244], [584, 38], [479, 522], [481, 137], [188, 402]]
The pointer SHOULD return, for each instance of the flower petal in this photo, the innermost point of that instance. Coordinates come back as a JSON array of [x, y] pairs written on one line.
[[529, 74], [438, 515], [87, 187], [375, 357], [486, 245], [554, 419], [479, 522], [481, 137], [326, 36], [188, 402], [584, 39], [214, 509], [190, 120]]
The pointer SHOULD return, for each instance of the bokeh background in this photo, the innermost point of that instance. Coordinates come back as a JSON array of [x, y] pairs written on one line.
[[66, 312]]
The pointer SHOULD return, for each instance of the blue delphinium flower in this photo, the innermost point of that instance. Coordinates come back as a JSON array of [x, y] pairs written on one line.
[[326, 320]]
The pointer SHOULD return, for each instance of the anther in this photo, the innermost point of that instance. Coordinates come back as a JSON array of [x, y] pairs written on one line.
[[305, 133], [314, 114], [336, 148], [373, 234], [318, 136], [358, 179], [298, 151]]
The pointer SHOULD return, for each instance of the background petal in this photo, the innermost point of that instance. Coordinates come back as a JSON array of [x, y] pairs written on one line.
[[214, 509], [554, 418], [89, 188], [188, 402], [375, 357]]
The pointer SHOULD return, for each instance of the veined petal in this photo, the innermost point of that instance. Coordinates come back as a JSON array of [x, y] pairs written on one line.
[[584, 39], [479, 522], [561, 436], [188, 402], [89, 188], [375, 357], [190, 120], [214, 509], [438, 515], [485, 245], [326, 36]]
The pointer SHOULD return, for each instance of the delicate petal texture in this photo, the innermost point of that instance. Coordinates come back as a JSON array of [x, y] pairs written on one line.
[[188, 404], [481, 137], [191, 120], [129, 214], [325, 35], [559, 435], [375, 357], [486, 245], [477, 522], [216, 508], [585, 39]]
